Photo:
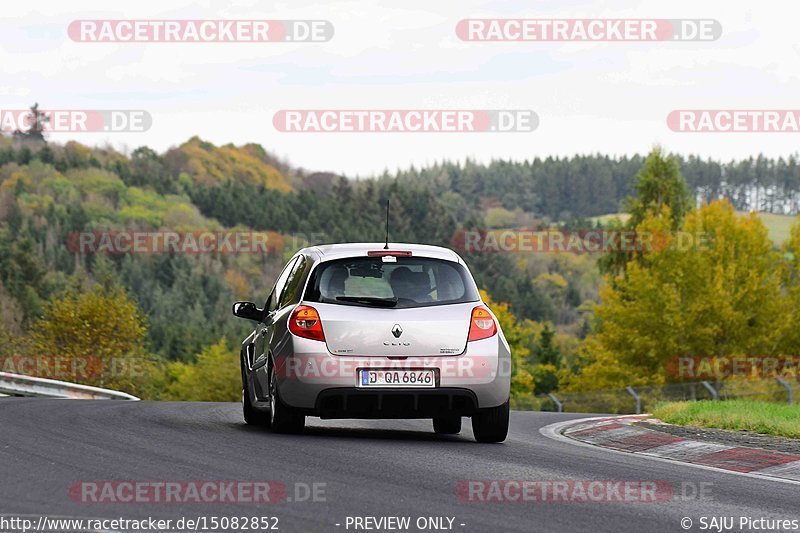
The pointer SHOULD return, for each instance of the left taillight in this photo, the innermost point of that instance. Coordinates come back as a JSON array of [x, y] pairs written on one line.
[[481, 325], [305, 323]]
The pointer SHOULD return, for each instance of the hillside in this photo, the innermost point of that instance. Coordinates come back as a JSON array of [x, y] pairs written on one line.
[[208, 165], [57, 202], [51, 194]]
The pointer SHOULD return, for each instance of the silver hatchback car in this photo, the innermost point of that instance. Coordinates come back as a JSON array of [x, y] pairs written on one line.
[[376, 331]]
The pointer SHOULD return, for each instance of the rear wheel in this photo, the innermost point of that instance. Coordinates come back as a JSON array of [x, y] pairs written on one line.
[[283, 419], [491, 425], [447, 425]]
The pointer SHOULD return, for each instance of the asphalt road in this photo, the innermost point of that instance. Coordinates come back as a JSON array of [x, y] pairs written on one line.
[[368, 468]]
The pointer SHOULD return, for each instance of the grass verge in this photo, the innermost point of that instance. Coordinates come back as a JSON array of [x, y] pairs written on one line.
[[739, 415]]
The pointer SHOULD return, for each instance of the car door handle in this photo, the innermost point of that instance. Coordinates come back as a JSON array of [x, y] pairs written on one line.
[[261, 361]]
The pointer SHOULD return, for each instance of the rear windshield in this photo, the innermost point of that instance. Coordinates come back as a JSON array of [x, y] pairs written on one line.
[[386, 282]]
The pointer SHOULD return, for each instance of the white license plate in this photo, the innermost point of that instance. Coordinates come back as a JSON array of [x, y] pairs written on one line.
[[396, 378]]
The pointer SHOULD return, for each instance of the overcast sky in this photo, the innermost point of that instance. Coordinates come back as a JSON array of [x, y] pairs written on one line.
[[611, 98]]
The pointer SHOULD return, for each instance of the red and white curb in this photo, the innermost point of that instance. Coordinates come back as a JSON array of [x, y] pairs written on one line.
[[619, 434]]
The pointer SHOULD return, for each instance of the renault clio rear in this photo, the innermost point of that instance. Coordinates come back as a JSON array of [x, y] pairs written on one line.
[[376, 331]]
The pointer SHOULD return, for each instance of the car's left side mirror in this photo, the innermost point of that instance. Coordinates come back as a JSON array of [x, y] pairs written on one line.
[[248, 310]]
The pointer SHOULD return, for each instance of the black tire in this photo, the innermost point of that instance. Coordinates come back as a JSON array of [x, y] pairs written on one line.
[[447, 425], [283, 419], [491, 425]]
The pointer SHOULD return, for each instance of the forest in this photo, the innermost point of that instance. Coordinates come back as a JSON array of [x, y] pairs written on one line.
[[159, 325]]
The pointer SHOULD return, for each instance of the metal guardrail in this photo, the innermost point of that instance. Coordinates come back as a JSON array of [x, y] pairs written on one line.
[[19, 385], [641, 398]]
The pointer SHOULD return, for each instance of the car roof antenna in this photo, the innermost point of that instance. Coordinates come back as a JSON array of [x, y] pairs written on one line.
[[386, 247]]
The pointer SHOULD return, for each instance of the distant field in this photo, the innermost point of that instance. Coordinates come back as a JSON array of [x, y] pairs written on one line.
[[607, 218], [778, 226]]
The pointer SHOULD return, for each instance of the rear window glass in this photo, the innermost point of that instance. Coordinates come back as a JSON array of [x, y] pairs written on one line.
[[406, 282]]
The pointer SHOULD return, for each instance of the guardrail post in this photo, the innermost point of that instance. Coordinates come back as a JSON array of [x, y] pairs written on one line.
[[788, 387], [637, 398], [712, 390], [559, 405]]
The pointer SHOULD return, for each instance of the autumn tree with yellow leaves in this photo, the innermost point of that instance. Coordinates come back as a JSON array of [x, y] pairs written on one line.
[[712, 289], [95, 336]]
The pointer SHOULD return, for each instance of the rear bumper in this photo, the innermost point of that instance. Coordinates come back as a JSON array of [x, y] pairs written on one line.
[[424, 403], [312, 379]]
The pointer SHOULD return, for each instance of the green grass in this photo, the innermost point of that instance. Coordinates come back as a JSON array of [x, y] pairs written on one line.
[[740, 415]]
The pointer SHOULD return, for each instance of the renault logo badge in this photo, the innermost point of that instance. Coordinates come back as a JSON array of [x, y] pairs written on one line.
[[397, 331]]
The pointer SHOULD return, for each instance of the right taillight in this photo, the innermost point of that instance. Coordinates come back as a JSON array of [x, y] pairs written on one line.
[[305, 323], [481, 325]]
